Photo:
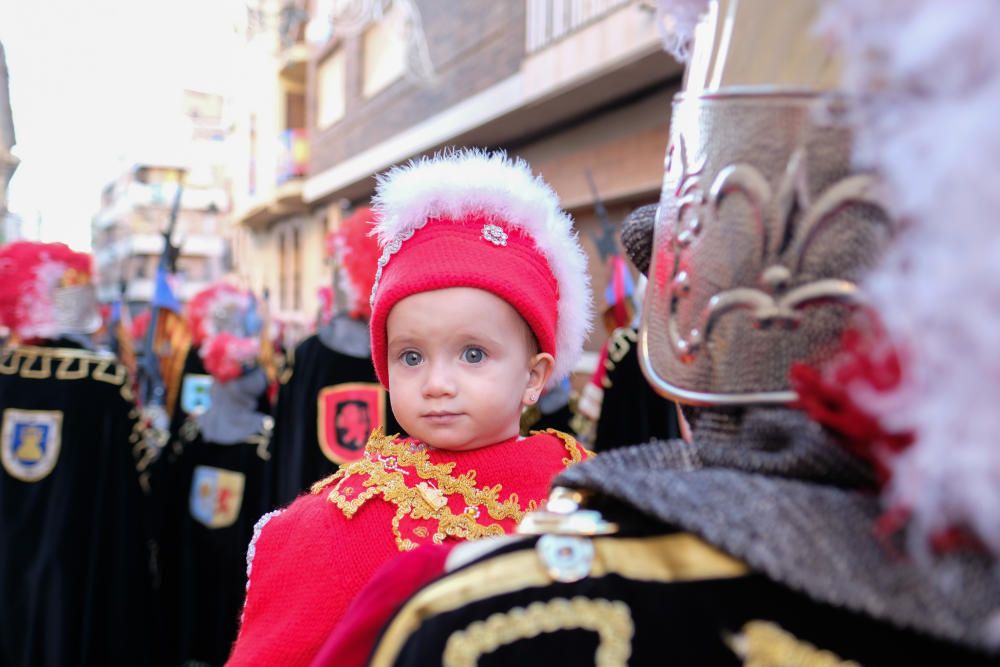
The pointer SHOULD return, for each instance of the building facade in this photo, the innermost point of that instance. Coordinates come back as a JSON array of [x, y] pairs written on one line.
[[9, 225], [128, 230], [279, 238], [579, 88]]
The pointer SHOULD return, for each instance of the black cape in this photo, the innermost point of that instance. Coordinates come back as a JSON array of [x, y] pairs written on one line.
[[212, 496], [631, 412], [326, 410], [663, 597], [217, 498], [74, 559]]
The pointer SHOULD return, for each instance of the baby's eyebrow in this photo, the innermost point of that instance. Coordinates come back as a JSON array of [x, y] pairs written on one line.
[[404, 339]]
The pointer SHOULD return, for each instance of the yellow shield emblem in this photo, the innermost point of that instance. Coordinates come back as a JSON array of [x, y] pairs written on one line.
[[30, 442], [216, 496]]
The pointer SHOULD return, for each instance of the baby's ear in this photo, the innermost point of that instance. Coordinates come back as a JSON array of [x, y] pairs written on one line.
[[540, 368]]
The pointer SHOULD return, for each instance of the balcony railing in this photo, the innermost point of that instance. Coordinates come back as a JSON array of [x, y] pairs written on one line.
[[550, 20]]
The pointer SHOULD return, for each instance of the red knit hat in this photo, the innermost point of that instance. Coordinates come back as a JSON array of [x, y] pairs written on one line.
[[46, 290], [476, 219]]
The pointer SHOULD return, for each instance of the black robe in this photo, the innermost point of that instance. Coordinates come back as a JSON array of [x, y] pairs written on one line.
[[631, 411], [663, 598], [214, 494], [753, 544], [326, 409], [75, 577]]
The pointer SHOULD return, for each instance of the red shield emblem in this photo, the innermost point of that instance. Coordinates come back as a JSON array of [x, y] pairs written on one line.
[[348, 413]]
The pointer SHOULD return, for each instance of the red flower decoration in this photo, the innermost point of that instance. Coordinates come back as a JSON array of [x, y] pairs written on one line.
[[227, 356], [866, 362]]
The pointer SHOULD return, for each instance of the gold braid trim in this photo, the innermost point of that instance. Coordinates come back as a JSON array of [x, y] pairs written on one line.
[[571, 445], [765, 644], [620, 343], [387, 465], [612, 621], [35, 363]]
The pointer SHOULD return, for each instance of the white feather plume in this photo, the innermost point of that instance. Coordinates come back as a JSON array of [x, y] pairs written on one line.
[[927, 77], [455, 183], [676, 20]]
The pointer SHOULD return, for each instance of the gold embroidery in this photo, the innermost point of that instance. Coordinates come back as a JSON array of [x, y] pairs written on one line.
[[569, 442], [621, 342], [35, 363], [326, 481], [765, 644], [101, 372], [63, 371], [10, 363], [612, 622], [661, 558], [387, 463], [43, 371]]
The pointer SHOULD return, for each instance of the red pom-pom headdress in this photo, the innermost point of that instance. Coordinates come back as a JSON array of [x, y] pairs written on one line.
[[356, 254], [224, 326], [217, 308], [46, 290]]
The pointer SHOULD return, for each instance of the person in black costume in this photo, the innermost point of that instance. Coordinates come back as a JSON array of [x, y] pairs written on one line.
[[331, 402], [763, 539], [74, 558], [215, 480]]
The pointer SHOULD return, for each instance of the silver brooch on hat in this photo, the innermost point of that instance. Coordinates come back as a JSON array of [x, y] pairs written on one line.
[[495, 235]]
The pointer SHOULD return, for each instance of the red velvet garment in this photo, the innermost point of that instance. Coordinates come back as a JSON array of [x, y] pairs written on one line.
[[312, 559], [352, 641]]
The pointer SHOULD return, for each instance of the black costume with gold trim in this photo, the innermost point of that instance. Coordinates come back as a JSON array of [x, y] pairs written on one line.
[[74, 561], [651, 599], [753, 545], [306, 441], [631, 411], [216, 493]]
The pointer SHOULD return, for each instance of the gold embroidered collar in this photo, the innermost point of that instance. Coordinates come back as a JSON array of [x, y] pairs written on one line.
[[402, 473]]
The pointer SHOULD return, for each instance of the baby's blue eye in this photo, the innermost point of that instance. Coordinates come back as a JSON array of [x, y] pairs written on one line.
[[473, 355], [411, 358]]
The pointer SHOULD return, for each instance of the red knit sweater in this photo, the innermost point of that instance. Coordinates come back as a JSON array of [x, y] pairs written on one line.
[[309, 561]]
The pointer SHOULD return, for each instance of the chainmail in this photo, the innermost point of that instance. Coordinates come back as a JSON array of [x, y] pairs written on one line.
[[346, 335], [768, 486], [232, 416]]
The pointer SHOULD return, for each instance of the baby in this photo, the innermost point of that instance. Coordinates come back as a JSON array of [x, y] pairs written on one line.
[[481, 300]]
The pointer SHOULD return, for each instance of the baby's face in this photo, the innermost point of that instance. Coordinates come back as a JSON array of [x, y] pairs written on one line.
[[460, 363]]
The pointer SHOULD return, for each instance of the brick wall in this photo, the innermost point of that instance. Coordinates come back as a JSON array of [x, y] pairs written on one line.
[[473, 45]]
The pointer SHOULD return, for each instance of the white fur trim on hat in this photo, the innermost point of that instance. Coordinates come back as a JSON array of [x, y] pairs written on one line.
[[454, 184]]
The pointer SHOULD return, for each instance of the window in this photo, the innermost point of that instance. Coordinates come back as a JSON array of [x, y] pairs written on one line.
[[384, 53], [330, 89], [296, 270], [282, 273]]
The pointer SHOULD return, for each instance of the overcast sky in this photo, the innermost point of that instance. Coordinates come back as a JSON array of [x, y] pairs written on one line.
[[95, 85]]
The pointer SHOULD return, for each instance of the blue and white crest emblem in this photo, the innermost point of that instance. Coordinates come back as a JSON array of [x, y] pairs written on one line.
[[216, 495], [195, 393], [30, 442]]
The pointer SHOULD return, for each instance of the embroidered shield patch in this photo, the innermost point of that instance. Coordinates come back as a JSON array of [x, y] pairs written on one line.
[[30, 442], [216, 496], [195, 389], [347, 415]]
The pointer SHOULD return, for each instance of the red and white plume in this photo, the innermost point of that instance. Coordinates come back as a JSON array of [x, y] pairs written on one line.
[[926, 75]]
